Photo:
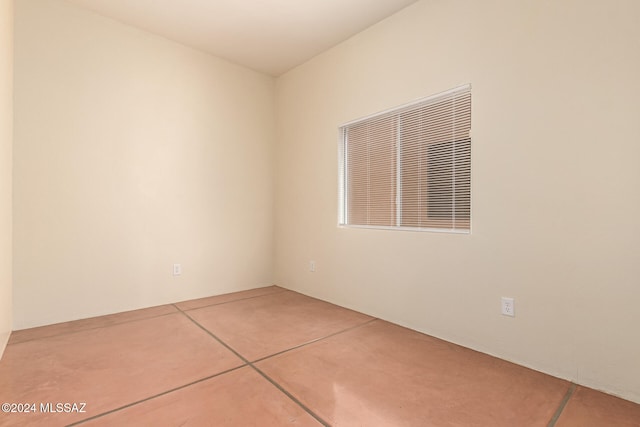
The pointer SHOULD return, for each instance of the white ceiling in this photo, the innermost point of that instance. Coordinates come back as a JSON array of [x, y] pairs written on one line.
[[271, 36]]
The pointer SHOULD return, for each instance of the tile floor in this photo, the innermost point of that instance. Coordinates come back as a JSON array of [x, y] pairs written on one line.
[[272, 357]]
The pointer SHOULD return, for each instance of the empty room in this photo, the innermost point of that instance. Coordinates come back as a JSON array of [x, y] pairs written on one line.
[[320, 213]]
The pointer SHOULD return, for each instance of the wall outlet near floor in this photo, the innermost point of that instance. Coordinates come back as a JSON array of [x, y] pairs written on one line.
[[508, 307], [312, 266], [177, 269]]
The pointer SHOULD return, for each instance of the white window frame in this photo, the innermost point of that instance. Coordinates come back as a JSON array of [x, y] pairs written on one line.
[[343, 168]]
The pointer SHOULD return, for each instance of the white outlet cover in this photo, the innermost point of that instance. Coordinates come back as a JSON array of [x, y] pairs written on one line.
[[177, 269], [508, 307], [312, 266]]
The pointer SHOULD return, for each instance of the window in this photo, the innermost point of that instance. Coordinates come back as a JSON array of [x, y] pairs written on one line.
[[410, 167]]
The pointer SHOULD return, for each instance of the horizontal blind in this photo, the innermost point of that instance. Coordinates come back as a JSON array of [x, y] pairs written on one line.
[[409, 167], [371, 172]]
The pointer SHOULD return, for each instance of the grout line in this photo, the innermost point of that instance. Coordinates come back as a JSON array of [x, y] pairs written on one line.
[[331, 303], [227, 302], [562, 405], [216, 338], [316, 340], [95, 327], [155, 396], [135, 320], [265, 376], [290, 396]]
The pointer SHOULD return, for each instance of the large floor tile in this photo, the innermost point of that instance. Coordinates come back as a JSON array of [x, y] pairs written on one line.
[[108, 367], [384, 375], [221, 299], [91, 323], [265, 325], [590, 408], [238, 398]]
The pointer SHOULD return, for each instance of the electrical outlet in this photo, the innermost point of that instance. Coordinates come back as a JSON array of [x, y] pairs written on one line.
[[508, 307], [312, 266], [177, 269]]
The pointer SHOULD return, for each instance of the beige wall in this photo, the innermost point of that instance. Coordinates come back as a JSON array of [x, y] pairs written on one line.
[[556, 101], [6, 141], [133, 153]]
